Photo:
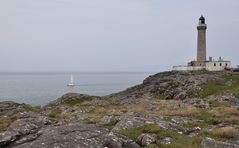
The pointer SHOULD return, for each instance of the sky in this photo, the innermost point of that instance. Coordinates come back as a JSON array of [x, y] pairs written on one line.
[[113, 35]]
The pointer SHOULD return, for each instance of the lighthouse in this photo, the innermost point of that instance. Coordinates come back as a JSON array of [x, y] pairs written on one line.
[[201, 62], [201, 40]]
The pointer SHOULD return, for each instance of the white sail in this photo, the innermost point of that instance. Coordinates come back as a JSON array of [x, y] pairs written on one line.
[[71, 81]]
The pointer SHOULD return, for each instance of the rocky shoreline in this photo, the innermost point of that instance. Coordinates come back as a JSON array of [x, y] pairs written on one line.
[[169, 109]]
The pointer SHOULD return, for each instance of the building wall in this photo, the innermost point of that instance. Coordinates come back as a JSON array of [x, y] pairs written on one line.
[[187, 68], [217, 65]]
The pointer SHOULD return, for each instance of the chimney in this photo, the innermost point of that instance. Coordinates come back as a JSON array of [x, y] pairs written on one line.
[[210, 59], [220, 59]]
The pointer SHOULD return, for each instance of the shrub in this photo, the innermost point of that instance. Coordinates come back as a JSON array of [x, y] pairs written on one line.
[[55, 112]]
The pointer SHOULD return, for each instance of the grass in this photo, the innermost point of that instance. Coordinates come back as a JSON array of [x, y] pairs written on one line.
[[229, 84], [220, 104], [73, 102], [5, 122], [108, 126], [225, 132], [208, 117], [198, 124], [187, 112], [219, 115], [226, 114], [55, 112], [179, 140]]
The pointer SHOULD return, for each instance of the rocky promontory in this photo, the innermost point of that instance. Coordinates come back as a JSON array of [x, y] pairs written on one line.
[[171, 109]]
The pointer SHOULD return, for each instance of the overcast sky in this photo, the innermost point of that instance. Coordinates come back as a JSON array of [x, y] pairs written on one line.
[[113, 35]]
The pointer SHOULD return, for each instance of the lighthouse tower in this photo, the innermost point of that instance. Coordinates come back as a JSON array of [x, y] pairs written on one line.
[[202, 62], [201, 42]]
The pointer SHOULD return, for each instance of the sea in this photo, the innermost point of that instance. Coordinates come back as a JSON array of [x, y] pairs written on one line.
[[40, 88]]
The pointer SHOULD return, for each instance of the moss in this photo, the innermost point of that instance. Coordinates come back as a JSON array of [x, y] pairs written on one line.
[[179, 140], [55, 112], [91, 121]]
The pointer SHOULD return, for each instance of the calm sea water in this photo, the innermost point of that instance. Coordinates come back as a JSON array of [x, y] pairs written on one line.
[[41, 88]]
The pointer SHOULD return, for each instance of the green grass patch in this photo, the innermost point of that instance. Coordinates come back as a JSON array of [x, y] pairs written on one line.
[[229, 84], [55, 112], [208, 118], [192, 125], [219, 104], [179, 140]]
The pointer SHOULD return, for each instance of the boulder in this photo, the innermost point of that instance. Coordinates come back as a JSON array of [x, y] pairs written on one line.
[[211, 143], [146, 139], [110, 120], [167, 140], [77, 135]]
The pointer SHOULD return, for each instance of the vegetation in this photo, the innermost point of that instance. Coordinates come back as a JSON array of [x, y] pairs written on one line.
[[218, 115], [159, 97], [36, 109], [179, 140], [91, 121], [186, 112], [229, 84], [225, 132], [220, 104], [5, 122], [55, 112], [73, 102], [108, 126], [208, 117]]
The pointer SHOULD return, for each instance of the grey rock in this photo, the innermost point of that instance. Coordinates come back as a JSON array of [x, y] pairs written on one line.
[[167, 140], [211, 143], [76, 135], [146, 139], [8, 137], [112, 120]]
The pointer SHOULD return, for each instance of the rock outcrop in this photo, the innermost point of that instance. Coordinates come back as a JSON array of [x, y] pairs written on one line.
[[176, 109]]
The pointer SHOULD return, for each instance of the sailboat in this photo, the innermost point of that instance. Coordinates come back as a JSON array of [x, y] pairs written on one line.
[[71, 81]]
